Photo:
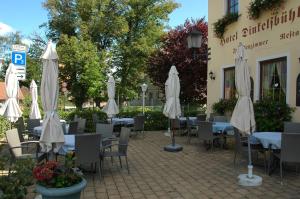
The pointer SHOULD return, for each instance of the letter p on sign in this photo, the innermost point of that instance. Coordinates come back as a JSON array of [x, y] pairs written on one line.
[[18, 58]]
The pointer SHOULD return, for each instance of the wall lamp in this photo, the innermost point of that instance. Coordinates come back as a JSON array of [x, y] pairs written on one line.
[[212, 75]]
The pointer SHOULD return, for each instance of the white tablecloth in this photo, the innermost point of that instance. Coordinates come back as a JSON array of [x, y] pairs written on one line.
[[37, 131], [221, 127], [69, 144], [268, 138], [122, 121]]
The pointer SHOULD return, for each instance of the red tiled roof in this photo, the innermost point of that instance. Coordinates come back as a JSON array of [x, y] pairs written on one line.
[[3, 95]]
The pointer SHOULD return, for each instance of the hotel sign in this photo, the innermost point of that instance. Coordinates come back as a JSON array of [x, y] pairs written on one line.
[[286, 16]]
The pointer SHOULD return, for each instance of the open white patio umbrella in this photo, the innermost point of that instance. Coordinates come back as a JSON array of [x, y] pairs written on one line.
[[11, 109], [52, 134], [243, 114], [111, 107], [34, 111], [172, 108]]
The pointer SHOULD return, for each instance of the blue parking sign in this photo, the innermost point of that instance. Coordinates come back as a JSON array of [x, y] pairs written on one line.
[[18, 58]]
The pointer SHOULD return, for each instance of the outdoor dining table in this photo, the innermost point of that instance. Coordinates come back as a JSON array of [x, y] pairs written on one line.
[[69, 144], [193, 120], [37, 131], [267, 139], [126, 121], [222, 127]]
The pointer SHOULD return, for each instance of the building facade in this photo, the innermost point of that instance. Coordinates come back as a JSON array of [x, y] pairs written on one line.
[[273, 51]]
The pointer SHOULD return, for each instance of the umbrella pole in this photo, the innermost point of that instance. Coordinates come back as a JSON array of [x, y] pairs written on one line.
[[173, 134], [249, 151]]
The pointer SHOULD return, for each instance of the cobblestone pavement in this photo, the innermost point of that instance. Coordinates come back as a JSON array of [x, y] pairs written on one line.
[[192, 173]]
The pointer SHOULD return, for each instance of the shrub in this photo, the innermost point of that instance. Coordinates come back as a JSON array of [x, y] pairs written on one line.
[[270, 115], [4, 126], [257, 6], [14, 186], [84, 113], [221, 24], [224, 105], [155, 120]]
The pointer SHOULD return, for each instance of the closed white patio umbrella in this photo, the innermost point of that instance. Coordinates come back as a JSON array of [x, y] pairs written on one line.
[[172, 108], [34, 111], [52, 133], [111, 107], [11, 109], [243, 114]]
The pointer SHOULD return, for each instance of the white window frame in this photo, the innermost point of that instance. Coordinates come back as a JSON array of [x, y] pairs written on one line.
[[288, 74]]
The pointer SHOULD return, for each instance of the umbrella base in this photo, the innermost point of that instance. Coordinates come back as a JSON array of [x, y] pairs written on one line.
[[173, 148], [254, 181]]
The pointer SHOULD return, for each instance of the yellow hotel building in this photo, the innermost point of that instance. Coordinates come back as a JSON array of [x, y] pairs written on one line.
[[273, 50]]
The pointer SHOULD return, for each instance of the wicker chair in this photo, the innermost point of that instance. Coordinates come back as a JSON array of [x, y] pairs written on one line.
[[291, 127], [205, 134], [290, 150], [122, 147], [138, 125], [87, 150], [17, 148]]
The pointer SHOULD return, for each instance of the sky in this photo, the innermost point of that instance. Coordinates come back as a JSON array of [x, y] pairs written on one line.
[[27, 15]]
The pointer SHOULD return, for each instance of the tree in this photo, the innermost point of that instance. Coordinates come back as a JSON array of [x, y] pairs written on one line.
[[190, 63], [6, 43], [145, 20], [124, 33], [81, 68], [34, 65]]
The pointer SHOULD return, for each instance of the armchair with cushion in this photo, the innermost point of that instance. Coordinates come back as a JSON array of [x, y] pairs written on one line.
[[17, 148]]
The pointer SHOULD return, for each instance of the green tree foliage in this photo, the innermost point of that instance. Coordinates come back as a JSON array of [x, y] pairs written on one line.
[[145, 20], [123, 32], [81, 68], [34, 65], [6, 43]]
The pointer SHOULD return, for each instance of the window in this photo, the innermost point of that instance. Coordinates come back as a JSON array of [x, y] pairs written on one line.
[[273, 79], [229, 83], [232, 6]]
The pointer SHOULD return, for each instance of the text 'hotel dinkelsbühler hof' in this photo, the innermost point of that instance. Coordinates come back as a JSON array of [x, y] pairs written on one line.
[[273, 50]]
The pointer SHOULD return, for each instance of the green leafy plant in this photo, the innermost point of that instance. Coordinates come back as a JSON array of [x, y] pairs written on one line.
[[257, 6], [14, 185], [53, 175], [271, 114], [4, 125], [84, 113], [224, 105], [221, 24]]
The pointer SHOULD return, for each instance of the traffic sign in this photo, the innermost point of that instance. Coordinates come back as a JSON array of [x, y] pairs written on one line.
[[20, 72], [18, 58], [17, 47]]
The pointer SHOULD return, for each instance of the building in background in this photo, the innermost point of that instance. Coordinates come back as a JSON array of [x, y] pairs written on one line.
[[273, 49], [3, 96]]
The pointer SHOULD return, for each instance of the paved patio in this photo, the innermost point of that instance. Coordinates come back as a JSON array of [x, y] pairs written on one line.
[[192, 173]]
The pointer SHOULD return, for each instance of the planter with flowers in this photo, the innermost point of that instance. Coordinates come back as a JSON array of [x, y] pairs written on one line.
[[55, 181]]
